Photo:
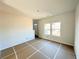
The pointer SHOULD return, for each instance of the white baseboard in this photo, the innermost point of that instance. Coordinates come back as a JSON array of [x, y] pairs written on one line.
[[63, 42], [60, 41]]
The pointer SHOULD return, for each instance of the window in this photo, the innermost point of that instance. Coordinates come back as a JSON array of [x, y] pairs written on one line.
[[56, 29], [47, 29], [53, 29]]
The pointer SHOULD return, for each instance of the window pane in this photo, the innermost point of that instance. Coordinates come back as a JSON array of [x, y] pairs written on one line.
[[56, 29], [56, 32], [47, 29], [47, 32], [47, 26], [56, 25]]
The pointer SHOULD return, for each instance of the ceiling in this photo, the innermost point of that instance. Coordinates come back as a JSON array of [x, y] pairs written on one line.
[[42, 8], [6, 9]]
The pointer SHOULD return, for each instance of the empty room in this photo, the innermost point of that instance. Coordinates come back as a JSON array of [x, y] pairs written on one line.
[[39, 29]]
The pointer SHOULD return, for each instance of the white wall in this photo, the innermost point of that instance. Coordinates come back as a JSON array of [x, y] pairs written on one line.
[[67, 27], [14, 30], [77, 33]]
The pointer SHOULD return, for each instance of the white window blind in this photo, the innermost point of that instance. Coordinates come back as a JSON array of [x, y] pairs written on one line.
[[47, 29], [56, 29]]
